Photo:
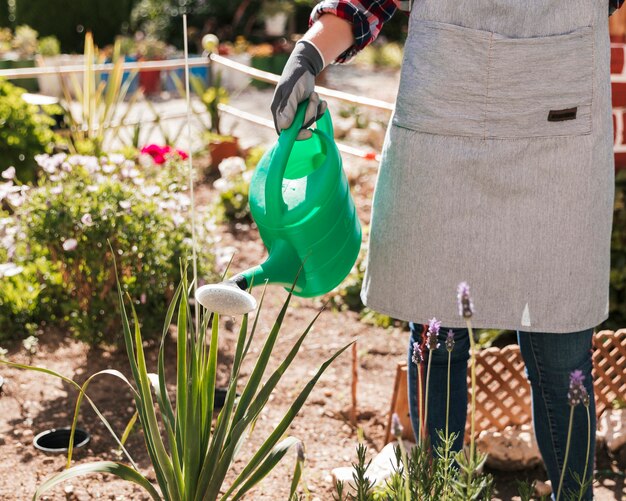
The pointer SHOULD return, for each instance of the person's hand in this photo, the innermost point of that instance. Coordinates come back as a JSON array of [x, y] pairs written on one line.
[[296, 84]]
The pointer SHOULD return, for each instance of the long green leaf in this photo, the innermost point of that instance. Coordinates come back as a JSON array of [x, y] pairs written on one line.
[[284, 424], [78, 387], [273, 458], [118, 469]]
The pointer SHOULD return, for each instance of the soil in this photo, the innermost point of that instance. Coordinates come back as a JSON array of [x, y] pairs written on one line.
[[33, 402]]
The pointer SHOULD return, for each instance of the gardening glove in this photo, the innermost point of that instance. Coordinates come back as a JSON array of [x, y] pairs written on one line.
[[296, 84]]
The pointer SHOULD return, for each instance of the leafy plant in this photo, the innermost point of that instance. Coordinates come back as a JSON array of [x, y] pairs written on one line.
[[83, 201], [199, 450], [212, 97], [49, 46], [25, 41], [100, 101], [25, 132]]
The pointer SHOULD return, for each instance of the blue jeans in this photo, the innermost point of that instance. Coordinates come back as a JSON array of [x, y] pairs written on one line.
[[549, 359]]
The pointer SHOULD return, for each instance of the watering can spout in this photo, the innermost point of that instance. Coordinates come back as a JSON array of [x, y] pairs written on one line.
[[281, 267]]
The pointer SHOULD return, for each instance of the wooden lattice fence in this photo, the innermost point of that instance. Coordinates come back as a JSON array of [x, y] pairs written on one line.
[[503, 396]]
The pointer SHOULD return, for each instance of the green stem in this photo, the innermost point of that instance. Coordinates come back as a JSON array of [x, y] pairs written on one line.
[[569, 436], [426, 396], [447, 445], [419, 404], [584, 477], [405, 465], [473, 379]]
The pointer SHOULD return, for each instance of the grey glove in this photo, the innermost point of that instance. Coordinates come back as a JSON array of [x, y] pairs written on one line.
[[296, 84]]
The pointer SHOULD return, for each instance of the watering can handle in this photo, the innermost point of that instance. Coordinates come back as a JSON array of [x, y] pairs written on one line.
[[274, 202]]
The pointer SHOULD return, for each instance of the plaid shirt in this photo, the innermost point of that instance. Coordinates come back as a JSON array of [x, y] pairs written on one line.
[[368, 16]]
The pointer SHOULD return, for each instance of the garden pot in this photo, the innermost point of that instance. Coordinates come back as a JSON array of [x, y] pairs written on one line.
[[276, 25], [150, 81], [221, 149], [58, 439]]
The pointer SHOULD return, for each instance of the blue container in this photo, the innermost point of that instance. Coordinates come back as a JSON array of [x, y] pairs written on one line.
[[201, 72], [126, 76]]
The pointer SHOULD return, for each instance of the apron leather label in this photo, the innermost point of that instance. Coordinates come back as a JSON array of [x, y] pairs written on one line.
[[561, 115]]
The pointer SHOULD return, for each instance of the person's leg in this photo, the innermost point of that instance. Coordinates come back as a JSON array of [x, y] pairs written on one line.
[[438, 385], [550, 359]]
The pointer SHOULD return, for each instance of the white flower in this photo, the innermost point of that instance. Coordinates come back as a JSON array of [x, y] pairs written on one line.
[[178, 220], [145, 160], [150, 191], [87, 220], [108, 168], [221, 184], [125, 204], [92, 188], [70, 244], [116, 158], [232, 166], [9, 173], [10, 269]]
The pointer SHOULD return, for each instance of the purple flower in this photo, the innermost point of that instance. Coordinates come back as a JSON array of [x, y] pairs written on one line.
[[577, 392], [464, 301], [396, 426], [417, 357], [450, 340], [433, 331]]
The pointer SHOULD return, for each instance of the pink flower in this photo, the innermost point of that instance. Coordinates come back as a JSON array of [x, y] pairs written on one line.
[[160, 154]]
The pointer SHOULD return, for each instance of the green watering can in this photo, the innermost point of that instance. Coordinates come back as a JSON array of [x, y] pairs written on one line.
[[300, 200]]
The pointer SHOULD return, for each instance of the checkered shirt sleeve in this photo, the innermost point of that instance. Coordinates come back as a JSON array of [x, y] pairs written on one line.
[[366, 16], [614, 5]]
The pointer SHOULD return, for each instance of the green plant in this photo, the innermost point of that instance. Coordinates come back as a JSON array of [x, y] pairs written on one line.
[[212, 97], [270, 8], [49, 46], [100, 102], [150, 48], [81, 202], [6, 37], [233, 186], [197, 454], [25, 132], [25, 41]]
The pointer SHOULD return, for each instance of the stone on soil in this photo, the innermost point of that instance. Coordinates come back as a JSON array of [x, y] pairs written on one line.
[[512, 449]]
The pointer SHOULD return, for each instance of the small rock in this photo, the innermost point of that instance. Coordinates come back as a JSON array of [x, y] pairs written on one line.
[[543, 488], [512, 449], [68, 489], [613, 428]]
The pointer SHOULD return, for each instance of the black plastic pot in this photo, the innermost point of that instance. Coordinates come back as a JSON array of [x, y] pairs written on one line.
[[58, 439], [220, 397]]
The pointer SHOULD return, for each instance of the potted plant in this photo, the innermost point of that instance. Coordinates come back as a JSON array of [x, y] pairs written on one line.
[[220, 146], [25, 46], [49, 55], [275, 14], [151, 49]]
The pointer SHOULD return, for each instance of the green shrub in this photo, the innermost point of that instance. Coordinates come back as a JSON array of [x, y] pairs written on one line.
[[25, 132], [617, 304], [233, 186], [84, 202]]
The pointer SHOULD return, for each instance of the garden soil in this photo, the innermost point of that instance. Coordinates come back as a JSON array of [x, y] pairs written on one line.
[[33, 402]]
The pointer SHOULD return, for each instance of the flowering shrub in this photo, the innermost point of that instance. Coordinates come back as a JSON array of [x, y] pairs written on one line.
[[25, 131], [82, 203], [160, 154]]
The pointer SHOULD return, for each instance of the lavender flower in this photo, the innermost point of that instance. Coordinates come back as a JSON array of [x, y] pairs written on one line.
[[396, 426], [464, 301], [450, 340], [577, 392], [417, 357], [433, 331]]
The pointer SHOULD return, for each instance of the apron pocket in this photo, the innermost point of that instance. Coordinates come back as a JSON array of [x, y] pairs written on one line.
[[541, 86], [466, 82], [443, 83]]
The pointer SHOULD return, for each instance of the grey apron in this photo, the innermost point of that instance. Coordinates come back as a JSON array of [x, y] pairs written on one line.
[[497, 168]]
